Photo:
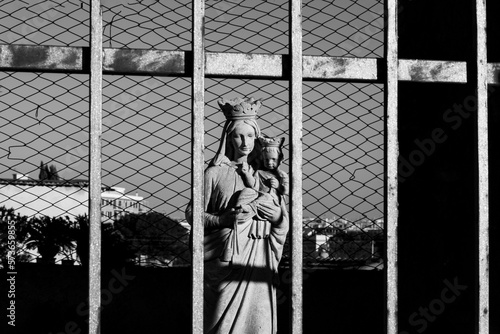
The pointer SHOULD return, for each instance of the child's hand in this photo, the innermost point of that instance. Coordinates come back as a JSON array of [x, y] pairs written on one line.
[[274, 183], [244, 167]]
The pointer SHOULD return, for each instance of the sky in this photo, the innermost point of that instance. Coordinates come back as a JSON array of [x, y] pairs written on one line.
[[146, 120]]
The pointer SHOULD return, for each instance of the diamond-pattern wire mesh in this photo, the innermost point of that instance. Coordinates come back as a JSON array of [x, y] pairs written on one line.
[[147, 133], [343, 182], [147, 24], [147, 150], [146, 123], [130, 25], [344, 28], [247, 26], [44, 119], [42, 22]]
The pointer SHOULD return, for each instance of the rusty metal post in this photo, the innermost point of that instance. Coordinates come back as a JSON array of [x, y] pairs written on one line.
[[482, 139], [198, 91], [95, 166], [296, 163], [392, 152]]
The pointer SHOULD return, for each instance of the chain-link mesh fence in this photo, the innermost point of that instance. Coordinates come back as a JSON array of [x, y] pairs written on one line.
[[146, 159], [343, 28], [343, 183], [41, 22], [161, 25], [44, 121], [146, 150]]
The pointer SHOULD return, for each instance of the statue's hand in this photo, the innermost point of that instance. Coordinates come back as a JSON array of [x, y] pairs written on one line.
[[228, 218], [245, 167], [274, 183], [269, 211]]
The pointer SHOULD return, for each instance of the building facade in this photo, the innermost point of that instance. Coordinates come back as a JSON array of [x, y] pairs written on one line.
[[115, 203], [56, 198]]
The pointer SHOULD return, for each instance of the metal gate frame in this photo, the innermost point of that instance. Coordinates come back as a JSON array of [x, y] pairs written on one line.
[[204, 64]]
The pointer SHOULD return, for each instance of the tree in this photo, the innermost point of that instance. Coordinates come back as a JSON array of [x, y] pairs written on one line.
[[160, 239], [43, 172], [47, 172], [50, 235], [116, 250], [53, 175]]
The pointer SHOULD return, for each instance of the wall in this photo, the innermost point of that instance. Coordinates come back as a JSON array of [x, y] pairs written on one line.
[[50, 201]]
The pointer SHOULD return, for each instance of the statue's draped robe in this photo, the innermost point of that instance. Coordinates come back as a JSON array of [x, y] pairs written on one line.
[[241, 263]]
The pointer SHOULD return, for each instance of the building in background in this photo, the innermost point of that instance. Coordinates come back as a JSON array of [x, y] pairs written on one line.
[[54, 198], [62, 198], [337, 239], [115, 204]]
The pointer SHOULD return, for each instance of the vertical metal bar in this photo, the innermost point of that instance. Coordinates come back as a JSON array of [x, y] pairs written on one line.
[[95, 166], [197, 163], [392, 165], [296, 163], [482, 133]]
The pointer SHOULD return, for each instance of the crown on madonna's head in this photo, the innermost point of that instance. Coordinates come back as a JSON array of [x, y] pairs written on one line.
[[238, 108], [271, 142]]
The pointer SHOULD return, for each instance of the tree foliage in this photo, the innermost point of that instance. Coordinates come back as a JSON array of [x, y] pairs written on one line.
[[48, 172], [53, 174], [50, 235], [156, 237], [115, 249], [42, 175]]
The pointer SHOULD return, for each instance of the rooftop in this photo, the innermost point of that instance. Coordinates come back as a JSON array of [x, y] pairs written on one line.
[[26, 181]]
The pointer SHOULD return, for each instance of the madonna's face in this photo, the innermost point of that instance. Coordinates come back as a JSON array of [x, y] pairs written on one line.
[[242, 139]]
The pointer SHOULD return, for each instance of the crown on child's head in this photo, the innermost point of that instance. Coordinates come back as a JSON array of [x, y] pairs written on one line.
[[271, 142], [238, 108]]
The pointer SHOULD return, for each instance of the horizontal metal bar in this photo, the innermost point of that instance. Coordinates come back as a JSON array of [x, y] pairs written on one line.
[[493, 75], [138, 61], [242, 64], [432, 71], [178, 63], [41, 58], [339, 68]]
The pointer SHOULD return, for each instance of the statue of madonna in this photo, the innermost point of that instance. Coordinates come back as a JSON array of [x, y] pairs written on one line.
[[242, 252]]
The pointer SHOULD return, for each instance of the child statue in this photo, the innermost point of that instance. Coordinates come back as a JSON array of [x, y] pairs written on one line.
[[267, 184]]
